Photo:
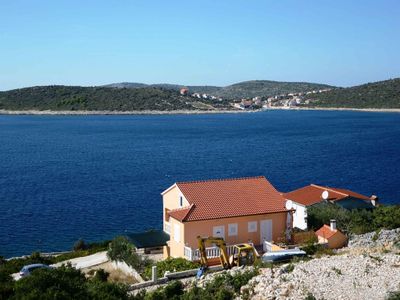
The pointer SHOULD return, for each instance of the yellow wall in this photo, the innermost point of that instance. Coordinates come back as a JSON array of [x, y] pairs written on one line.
[[171, 200], [176, 249]]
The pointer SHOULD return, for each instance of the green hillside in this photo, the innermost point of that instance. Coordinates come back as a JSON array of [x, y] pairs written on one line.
[[381, 94], [246, 89], [255, 88], [100, 98]]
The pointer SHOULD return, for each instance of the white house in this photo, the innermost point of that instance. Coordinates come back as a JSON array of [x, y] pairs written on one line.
[[312, 194]]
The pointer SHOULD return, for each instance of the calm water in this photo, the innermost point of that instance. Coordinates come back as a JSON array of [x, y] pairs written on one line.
[[69, 177]]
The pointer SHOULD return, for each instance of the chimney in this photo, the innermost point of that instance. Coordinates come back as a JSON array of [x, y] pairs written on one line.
[[333, 225]]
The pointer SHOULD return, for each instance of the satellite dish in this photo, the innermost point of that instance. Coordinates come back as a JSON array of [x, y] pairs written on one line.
[[289, 204], [325, 195]]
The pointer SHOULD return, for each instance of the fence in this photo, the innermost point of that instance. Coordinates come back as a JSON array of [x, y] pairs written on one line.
[[211, 252]]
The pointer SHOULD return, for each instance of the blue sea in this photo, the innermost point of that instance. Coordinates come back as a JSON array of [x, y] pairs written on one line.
[[94, 177]]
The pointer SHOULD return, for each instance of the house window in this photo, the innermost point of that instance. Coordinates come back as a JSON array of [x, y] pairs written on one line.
[[252, 226], [180, 201], [233, 229], [177, 233]]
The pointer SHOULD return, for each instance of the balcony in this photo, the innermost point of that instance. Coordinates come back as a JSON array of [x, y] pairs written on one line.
[[211, 252]]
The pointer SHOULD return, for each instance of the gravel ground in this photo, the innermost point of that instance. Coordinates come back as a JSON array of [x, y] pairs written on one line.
[[369, 268], [344, 276]]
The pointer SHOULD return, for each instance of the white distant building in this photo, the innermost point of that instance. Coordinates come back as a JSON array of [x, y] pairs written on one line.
[[312, 194]]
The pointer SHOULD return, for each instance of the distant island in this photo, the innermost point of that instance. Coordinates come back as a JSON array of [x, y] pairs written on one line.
[[244, 96]]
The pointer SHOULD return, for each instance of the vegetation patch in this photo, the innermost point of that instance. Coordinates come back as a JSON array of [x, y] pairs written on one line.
[[14, 265], [171, 265], [356, 221], [222, 287], [122, 250], [61, 283]]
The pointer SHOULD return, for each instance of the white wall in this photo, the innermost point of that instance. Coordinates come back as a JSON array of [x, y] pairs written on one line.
[[300, 215]]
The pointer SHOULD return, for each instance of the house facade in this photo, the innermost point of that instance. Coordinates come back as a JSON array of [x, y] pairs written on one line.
[[239, 210], [312, 194], [331, 236]]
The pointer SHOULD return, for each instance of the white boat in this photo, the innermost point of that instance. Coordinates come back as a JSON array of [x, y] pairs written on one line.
[[282, 255]]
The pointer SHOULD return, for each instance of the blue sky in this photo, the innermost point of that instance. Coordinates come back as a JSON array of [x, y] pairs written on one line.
[[197, 42]]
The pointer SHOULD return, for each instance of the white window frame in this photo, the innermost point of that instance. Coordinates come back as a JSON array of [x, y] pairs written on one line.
[[252, 226], [233, 229], [219, 228], [177, 233]]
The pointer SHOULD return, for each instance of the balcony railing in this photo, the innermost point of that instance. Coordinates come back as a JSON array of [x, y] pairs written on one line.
[[211, 252]]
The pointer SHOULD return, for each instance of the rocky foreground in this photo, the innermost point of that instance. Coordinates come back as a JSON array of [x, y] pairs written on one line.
[[368, 269]]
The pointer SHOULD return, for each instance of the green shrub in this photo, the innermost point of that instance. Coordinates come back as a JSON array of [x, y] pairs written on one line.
[[356, 221], [387, 217], [101, 275], [289, 268], [121, 249], [393, 296], [222, 287], [310, 297], [171, 265], [79, 245]]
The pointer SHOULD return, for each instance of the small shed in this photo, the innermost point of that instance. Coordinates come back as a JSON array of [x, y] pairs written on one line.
[[331, 236], [151, 241]]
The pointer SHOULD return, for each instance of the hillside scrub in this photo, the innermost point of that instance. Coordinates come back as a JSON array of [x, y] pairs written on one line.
[[61, 283], [382, 94], [171, 265], [122, 250], [72, 98], [222, 287], [357, 221]]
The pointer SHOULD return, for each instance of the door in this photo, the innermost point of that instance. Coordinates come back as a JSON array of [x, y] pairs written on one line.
[[219, 231], [265, 231]]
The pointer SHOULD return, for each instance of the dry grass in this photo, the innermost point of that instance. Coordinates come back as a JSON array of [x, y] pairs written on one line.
[[116, 275]]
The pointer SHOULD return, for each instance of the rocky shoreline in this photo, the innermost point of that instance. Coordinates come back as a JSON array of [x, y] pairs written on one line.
[[109, 112], [183, 112]]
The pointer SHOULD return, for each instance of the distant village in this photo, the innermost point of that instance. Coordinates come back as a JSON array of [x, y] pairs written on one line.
[[261, 102]]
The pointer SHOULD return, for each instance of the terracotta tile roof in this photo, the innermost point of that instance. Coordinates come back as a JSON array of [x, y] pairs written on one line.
[[312, 194], [180, 213], [326, 232], [224, 198]]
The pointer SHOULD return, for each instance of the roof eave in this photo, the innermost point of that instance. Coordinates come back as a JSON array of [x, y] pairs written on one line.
[[168, 189]]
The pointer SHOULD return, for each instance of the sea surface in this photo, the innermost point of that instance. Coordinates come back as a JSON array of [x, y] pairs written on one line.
[[94, 177]]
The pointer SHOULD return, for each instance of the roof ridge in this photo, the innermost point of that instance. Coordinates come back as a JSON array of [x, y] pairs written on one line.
[[221, 179], [329, 189]]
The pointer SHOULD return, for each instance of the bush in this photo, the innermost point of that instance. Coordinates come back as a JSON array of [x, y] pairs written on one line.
[[172, 265], [122, 250], [310, 297], [64, 283], [101, 275], [387, 217], [357, 221], [222, 287], [79, 245]]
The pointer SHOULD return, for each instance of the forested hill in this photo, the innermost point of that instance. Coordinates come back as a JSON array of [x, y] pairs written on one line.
[[101, 98], [381, 94], [245, 89]]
